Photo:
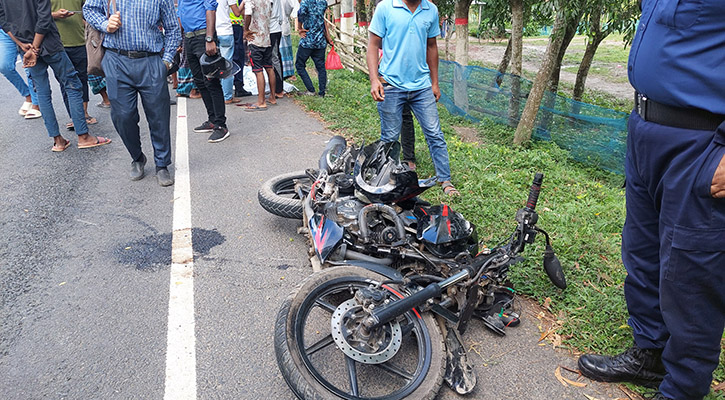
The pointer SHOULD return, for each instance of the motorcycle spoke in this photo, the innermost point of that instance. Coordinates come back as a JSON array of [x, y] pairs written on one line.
[[325, 305], [352, 373], [321, 344], [395, 371]]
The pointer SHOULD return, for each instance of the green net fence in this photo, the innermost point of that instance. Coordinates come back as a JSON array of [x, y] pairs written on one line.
[[593, 135]]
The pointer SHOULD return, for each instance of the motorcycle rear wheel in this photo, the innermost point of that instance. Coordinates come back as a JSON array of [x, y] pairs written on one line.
[[278, 195], [315, 368]]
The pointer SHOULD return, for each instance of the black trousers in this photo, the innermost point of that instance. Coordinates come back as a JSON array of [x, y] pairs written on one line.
[[210, 89], [277, 61], [240, 56], [79, 59]]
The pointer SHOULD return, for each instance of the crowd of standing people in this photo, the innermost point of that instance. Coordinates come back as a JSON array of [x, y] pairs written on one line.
[[198, 45]]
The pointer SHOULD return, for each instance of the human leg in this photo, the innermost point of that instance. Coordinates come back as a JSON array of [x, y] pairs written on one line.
[[124, 102], [390, 111], [423, 104], [407, 137], [300, 65], [211, 90], [39, 73], [226, 48], [318, 57], [79, 59], [156, 104], [240, 54], [69, 81], [8, 57], [276, 63]]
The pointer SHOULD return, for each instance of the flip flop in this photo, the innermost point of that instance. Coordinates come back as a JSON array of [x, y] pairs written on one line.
[[91, 120], [449, 189], [59, 149], [70, 126], [245, 105], [103, 105], [100, 141], [255, 107]]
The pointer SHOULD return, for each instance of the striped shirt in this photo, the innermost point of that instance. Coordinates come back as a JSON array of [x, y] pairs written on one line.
[[140, 23]]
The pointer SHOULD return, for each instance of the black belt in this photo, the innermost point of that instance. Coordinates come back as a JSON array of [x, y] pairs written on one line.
[[132, 53], [686, 118]]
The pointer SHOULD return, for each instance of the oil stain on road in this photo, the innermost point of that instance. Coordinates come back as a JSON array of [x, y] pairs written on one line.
[[153, 253]]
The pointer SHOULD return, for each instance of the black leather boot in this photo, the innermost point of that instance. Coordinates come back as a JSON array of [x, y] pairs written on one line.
[[639, 366]]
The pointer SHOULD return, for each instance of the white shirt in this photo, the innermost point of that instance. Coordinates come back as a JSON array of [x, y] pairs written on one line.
[[275, 23], [289, 9], [223, 21]]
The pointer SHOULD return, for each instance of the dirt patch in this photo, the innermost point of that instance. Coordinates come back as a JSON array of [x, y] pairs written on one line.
[[491, 52], [467, 134]]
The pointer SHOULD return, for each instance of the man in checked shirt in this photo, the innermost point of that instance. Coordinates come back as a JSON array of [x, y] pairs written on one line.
[[138, 55]]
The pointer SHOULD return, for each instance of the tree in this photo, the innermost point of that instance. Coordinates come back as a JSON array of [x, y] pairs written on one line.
[[528, 116], [462, 8], [620, 17]]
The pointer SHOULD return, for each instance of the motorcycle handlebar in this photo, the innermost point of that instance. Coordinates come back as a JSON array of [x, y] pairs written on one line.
[[534, 191]]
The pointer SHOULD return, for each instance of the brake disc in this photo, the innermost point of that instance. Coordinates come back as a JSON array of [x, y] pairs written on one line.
[[380, 346]]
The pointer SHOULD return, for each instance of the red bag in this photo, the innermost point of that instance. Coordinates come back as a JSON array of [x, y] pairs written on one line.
[[333, 60]]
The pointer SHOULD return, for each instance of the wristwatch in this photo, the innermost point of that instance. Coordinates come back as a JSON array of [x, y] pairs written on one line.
[[209, 39]]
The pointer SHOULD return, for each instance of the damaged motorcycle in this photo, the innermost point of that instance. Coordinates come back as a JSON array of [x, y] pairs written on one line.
[[403, 280]]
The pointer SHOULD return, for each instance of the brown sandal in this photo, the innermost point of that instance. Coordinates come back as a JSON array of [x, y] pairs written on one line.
[[449, 189]]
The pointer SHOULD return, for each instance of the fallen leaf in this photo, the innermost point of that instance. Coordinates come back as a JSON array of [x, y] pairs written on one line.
[[547, 303], [61, 284], [557, 374], [720, 386], [590, 397]]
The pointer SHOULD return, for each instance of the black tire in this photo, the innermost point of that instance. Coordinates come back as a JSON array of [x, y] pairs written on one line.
[[312, 382], [278, 197]]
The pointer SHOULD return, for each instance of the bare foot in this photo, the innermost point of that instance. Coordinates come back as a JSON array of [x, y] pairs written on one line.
[[272, 100]]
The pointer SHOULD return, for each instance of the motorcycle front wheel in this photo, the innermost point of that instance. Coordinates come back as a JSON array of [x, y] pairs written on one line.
[[314, 366], [278, 195]]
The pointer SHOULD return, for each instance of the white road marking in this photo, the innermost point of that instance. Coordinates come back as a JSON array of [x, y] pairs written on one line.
[[181, 339]]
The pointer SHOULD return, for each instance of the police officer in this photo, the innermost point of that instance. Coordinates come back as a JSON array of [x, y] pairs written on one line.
[[673, 241]]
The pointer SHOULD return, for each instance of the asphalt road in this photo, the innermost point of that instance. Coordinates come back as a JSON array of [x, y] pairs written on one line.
[[85, 255]]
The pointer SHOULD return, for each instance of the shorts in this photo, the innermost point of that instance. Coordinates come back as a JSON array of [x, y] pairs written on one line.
[[260, 57]]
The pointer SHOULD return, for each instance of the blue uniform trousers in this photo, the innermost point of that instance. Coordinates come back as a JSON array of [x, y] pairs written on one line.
[[673, 246], [126, 79]]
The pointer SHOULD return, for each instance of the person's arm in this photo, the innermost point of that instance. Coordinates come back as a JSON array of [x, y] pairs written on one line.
[[248, 9], [172, 31], [94, 12], [431, 57], [301, 18], [237, 9], [210, 6], [327, 33], [375, 42]]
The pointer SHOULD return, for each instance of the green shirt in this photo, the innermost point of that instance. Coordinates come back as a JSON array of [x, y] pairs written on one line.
[[72, 29]]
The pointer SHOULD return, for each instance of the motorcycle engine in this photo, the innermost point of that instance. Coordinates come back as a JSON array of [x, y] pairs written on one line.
[[346, 212]]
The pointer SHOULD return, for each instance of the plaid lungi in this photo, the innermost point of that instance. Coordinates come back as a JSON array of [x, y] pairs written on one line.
[[285, 50], [97, 83]]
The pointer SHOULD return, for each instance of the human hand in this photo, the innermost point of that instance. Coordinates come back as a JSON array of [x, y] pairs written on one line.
[[302, 32], [376, 90], [114, 22], [248, 35], [25, 47], [436, 91], [29, 59], [211, 48], [62, 14], [717, 188]]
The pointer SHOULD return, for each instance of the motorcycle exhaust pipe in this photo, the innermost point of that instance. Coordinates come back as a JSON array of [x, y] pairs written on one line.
[[392, 310]]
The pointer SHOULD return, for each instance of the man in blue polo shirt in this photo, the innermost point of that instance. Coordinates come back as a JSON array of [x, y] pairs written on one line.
[[406, 30], [673, 240]]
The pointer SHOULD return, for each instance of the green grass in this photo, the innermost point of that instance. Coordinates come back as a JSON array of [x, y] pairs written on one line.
[[581, 207]]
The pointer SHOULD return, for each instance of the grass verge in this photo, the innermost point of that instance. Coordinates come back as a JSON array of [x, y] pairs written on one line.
[[581, 207]]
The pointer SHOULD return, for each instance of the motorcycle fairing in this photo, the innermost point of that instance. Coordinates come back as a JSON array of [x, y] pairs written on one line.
[[326, 235], [445, 232]]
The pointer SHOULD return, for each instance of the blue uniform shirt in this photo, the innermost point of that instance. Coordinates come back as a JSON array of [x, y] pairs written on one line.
[[678, 53], [405, 36], [192, 13]]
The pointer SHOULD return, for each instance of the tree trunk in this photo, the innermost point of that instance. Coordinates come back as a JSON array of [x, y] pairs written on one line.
[[517, 43], [506, 60], [461, 22], [528, 116], [362, 18], [592, 46]]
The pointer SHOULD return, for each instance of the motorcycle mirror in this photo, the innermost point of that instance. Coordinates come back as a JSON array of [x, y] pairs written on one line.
[[552, 266]]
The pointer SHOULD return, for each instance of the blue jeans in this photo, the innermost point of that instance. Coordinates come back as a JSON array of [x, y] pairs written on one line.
[[8, 56], [318, 57], [423, 104], [226, 48], [67, 76]]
